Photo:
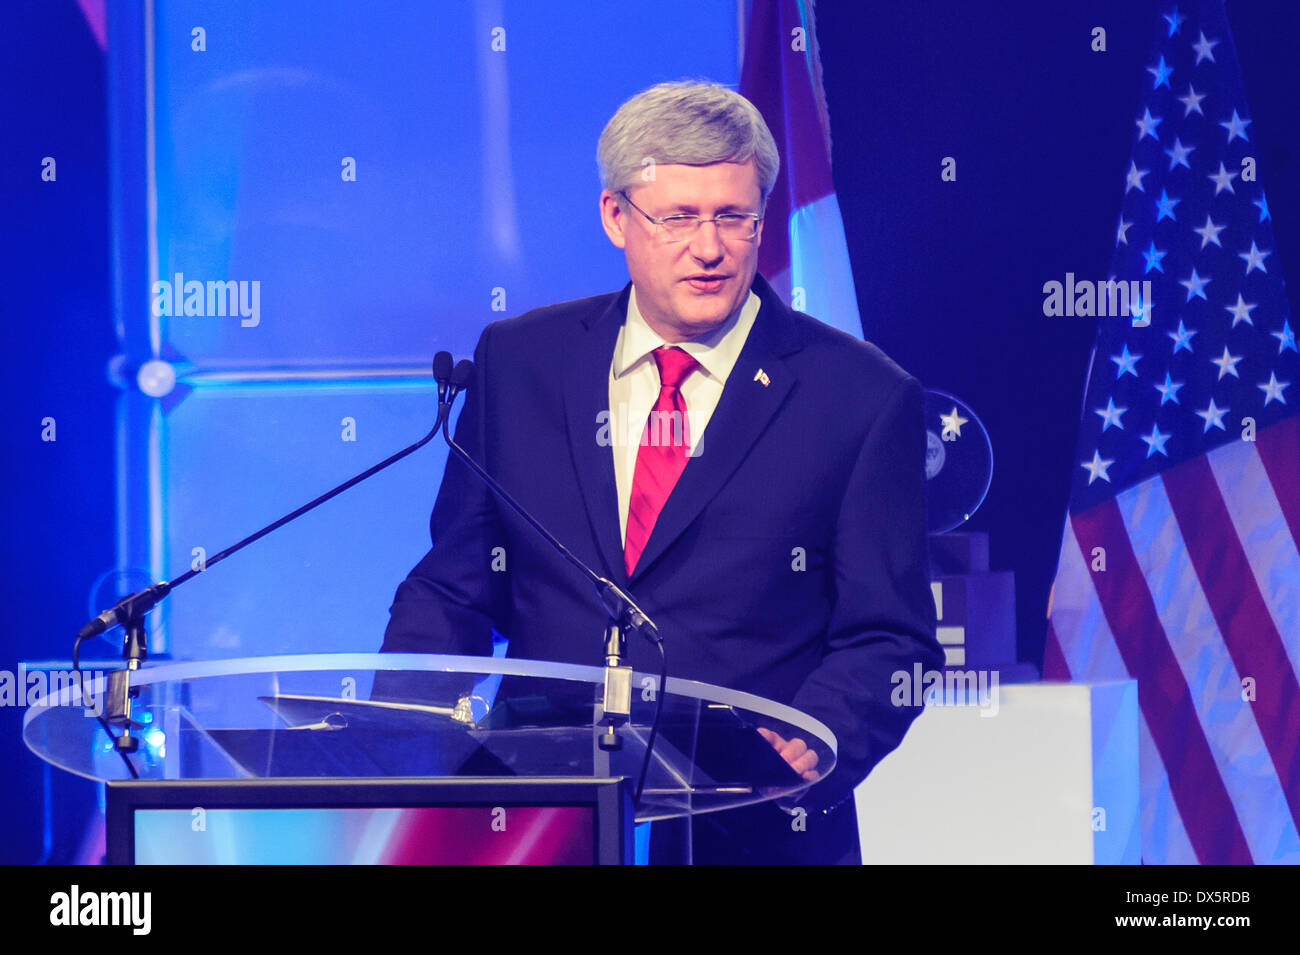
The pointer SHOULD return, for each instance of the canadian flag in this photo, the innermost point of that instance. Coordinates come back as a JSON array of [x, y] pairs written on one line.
[[803, 256]]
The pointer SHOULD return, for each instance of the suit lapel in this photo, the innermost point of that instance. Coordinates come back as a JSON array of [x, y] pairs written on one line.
[[742, 414], [586, 402]]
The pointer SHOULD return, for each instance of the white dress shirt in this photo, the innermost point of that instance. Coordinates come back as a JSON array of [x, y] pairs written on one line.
[[634, 385]]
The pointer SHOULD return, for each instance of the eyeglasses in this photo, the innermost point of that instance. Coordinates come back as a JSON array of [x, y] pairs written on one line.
[[730, 225]]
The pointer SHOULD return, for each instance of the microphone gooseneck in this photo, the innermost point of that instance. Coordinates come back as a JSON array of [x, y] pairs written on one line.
[[623, 613], [130, 611]]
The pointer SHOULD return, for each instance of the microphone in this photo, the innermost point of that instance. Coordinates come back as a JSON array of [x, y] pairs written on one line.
[[442, 374], [460, 377], [131, 605]]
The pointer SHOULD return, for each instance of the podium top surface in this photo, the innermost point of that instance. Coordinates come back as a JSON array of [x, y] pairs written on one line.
[[372, 715]]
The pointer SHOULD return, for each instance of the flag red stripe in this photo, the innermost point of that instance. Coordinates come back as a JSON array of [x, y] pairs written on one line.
[[1207, 811], [1279, 450], [1242, 615], [1055, 666]]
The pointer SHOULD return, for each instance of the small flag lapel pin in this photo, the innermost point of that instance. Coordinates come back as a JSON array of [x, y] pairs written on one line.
[[761, 375]]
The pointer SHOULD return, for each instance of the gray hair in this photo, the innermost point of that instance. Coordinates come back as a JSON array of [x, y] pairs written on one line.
[[691, 123]]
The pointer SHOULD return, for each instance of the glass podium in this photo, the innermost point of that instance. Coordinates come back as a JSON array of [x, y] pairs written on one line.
[[345, 729]]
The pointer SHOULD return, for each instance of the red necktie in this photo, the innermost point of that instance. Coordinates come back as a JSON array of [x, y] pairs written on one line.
[[665, 444]]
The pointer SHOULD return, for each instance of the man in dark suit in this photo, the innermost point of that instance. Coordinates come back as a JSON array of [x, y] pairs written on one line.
[[771, 518]]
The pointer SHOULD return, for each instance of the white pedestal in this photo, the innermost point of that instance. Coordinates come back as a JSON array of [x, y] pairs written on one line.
[[1046, 773]]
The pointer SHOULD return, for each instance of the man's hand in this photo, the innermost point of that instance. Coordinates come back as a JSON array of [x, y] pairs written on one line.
[[795, 752]]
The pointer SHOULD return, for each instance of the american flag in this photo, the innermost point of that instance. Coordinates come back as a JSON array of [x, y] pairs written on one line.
[[1179, 563]]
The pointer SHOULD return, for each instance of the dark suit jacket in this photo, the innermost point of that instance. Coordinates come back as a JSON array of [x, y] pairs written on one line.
[[825, 461]]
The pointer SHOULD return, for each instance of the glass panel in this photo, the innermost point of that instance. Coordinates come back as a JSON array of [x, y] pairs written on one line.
[[315, 716]]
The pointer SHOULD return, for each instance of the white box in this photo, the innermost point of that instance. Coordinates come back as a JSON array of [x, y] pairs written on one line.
[[1044, 773]]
